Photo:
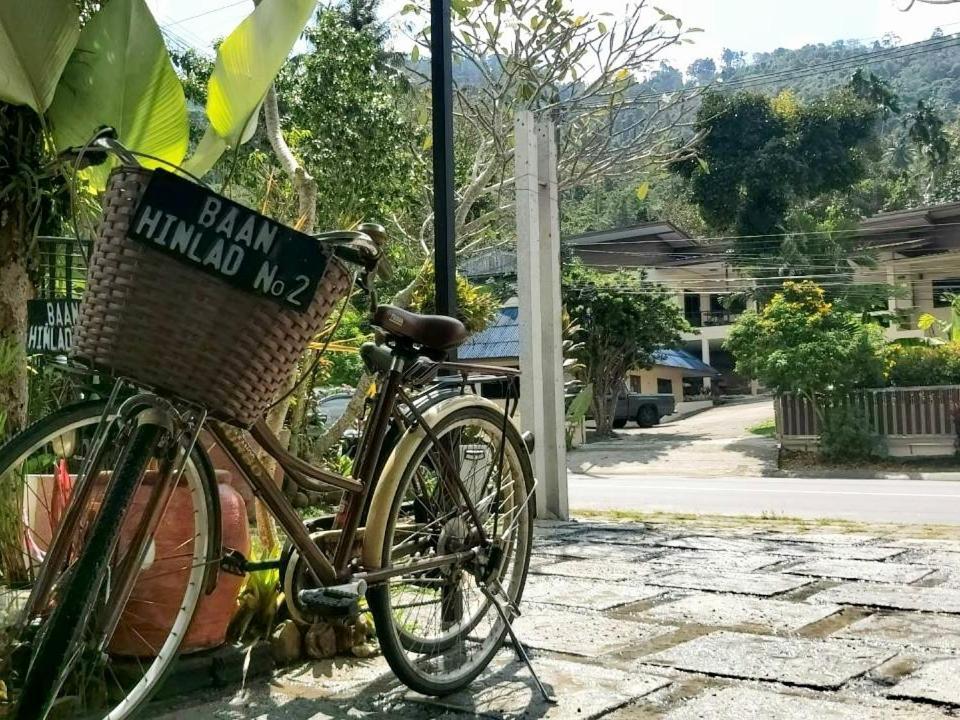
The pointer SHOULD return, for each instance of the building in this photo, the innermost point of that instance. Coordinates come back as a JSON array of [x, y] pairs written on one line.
[[918, 253], [703, 284], [915, 253], [676, 372]]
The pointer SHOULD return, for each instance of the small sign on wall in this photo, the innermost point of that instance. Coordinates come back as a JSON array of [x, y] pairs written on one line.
[[50, 326], [229, 241]]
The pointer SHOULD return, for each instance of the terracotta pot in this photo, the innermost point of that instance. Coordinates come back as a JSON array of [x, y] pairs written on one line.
[[148, 617]]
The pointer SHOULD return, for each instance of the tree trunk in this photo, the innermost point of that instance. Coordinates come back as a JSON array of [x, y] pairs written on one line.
[[15, 290], [603, 407]]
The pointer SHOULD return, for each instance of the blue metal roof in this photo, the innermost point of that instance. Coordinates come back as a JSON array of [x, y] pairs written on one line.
[[502, 341], [691, 365]]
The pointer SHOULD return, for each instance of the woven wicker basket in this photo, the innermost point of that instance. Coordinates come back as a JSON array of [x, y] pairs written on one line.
[[169, 326]]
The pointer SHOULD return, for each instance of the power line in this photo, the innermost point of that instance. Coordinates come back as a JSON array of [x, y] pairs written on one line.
[[796, 234], [829, 66], [208, 12]]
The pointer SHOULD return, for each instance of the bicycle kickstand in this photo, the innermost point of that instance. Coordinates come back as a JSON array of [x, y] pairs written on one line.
[[517, 645]]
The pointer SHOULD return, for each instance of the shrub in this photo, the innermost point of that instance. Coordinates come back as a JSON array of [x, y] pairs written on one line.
[[912, 365], [846, 435]]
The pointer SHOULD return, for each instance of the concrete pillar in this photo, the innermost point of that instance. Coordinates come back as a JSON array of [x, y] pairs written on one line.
[[538, 285], [704, 310], [705, 356]]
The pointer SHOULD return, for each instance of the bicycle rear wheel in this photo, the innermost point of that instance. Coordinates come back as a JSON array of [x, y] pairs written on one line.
[[437, 628], [101, 677]]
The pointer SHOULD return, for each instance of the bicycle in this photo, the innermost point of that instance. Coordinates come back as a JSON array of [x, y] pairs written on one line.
[[441, 560]]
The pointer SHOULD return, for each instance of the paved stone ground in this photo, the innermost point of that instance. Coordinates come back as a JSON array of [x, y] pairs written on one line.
[[633, 622]]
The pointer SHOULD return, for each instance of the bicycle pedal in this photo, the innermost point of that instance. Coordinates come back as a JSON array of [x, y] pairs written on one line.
[[334, 599], [233, 562]]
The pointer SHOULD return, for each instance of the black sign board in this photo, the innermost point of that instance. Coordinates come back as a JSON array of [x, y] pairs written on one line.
[[50, 326], [229, 241]]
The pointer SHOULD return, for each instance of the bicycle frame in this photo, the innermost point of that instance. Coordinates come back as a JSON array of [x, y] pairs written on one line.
[[357, 489]]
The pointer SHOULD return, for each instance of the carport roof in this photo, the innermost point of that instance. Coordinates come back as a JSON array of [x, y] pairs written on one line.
[[501, 341], [691, 365]]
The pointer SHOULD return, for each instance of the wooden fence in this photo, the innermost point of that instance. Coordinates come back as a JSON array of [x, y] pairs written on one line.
[[896, 412]]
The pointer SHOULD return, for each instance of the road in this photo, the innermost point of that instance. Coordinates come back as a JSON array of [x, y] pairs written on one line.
[[711, 464], [715, 443], [896, 501]]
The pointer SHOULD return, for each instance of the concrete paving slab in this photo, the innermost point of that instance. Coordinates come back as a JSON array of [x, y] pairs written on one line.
[[717, 560], [599, 570], [942, 558], [339, 676], [621, 536], [720, 543], [926, 630], [840, 552], [582, 691], [923, 544], [810, 663], [580, 632], [753, 704], [937, 681], [732, 611], [926, 599], [884, 572], [820, 538], [598, 551], [585, 593], [764, 584]]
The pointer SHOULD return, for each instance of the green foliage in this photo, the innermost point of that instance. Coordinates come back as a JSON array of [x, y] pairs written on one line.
[[603, 206], [917, 365], [761, 156], [120, 75], [765, 428], [36, 39], [258, 600], [846, 435], [475, 303], [576, 413], [625, 320], [801, 343], [353, 131], [248, 60]]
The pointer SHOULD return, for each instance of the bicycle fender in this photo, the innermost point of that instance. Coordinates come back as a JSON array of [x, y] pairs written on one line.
[[399, 459]]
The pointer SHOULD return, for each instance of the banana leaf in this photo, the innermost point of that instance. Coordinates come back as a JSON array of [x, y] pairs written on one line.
[[36, 39], [120, 75]]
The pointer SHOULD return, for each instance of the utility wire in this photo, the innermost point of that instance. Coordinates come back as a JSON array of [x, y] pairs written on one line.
[[829, 66]]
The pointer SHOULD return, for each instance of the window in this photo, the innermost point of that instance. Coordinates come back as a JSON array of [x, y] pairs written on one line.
[[635, 384], [942, 287], [665, 386]]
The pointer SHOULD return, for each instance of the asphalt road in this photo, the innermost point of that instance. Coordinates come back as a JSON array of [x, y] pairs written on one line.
[[710, 463], [896, 501]]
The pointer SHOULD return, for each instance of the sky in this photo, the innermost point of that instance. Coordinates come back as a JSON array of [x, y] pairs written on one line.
[[750, 25]]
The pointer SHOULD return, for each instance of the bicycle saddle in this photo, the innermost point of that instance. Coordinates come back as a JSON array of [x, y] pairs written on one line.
[[435, 332]]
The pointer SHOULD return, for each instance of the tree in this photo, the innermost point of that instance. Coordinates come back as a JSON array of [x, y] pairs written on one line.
[[624, 319], [803, 344], [346, 120], [760, 157], [580, 69], [703, 70]]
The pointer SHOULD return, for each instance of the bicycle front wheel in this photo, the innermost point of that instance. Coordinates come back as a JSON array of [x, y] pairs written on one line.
[[102, 677], [438, 628]]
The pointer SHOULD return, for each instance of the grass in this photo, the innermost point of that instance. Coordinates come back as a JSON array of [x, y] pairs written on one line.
[[765, 428], [774, 521]]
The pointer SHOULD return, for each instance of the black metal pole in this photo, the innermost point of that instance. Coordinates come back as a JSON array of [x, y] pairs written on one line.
[[444, 197]]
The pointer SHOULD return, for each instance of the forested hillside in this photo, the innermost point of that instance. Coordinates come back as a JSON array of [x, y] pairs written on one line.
[[928, 71], [908, 155]]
